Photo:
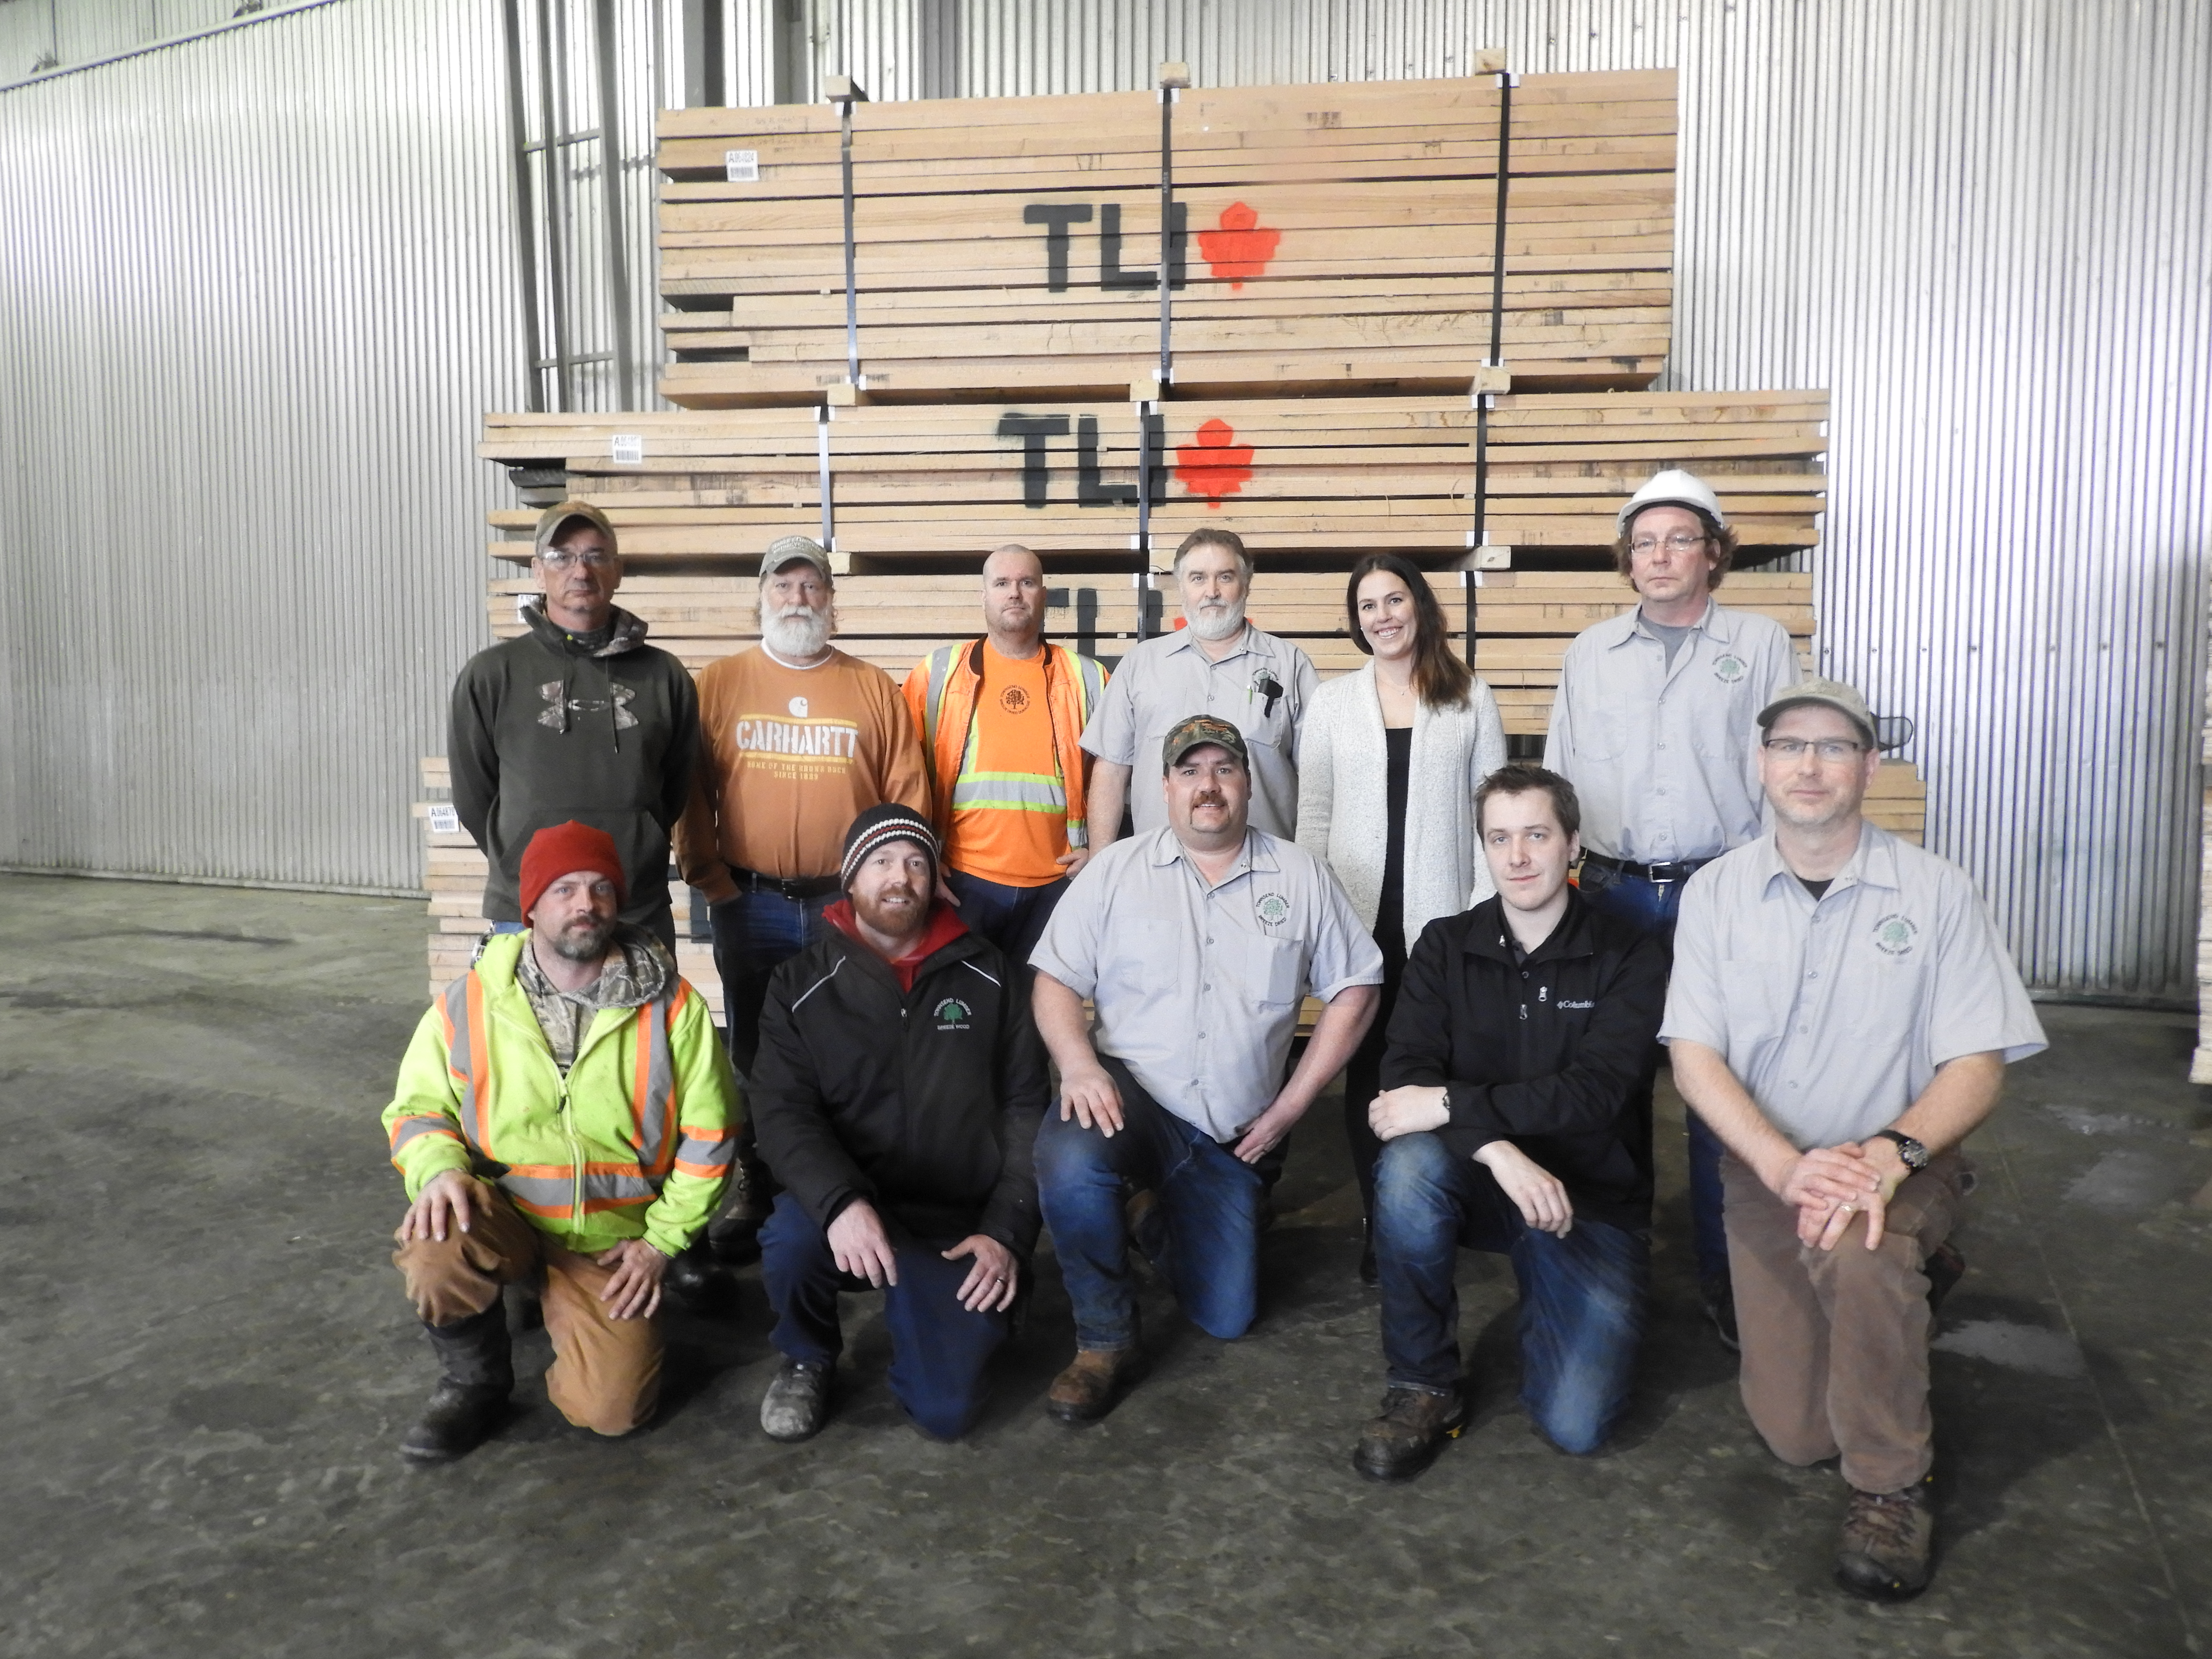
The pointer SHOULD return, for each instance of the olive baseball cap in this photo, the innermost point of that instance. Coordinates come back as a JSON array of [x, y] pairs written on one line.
[[1830, 694], [1196, 733]]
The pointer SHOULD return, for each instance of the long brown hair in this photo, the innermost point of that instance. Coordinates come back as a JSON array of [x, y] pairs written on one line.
[[1440, 679]]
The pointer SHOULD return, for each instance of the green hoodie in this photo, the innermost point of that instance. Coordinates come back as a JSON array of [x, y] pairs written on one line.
[[544, 728]]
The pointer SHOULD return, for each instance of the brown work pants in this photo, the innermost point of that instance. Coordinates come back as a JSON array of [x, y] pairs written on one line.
[[1835, 1342], [605, 1375]]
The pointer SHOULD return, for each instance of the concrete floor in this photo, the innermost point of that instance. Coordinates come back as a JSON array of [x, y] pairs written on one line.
[[207, 1365]]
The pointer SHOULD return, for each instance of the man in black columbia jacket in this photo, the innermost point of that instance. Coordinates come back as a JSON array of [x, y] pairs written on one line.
[[576, 718], [897, 1094], [1516, 1116]]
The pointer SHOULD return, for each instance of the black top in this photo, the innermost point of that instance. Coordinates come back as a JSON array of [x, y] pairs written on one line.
[[1819, 889], [1390, 912], [925, 1101], [1553, 1052]]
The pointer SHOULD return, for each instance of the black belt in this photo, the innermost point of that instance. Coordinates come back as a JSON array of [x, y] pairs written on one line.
[[1678, 870], [792, 887]]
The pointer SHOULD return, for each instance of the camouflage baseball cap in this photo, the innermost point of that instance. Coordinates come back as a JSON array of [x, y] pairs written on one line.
[[1195, 731]]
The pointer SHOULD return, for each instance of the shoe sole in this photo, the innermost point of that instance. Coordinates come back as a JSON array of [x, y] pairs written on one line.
[[1886, 1592], [1080, 1416], [1407, 1471]]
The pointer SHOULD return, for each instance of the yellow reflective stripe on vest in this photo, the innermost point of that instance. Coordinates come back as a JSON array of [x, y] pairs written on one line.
[[1012, 792]]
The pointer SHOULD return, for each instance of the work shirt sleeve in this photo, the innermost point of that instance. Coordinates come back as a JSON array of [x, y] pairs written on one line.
[[422, 1124], [1559, 729], [790, 1118], [1979, 1005], [1305, 681], [1696, 1010], [1343, 952], [1610, 1065], [1112, 733], [902, 773], [1012, 1215], [708, 1110], [470, 755], [1069, 949]]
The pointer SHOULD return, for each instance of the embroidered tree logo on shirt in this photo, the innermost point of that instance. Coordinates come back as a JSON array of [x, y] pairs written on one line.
[[1014, 700], [1894, 935], [1273, 909], [952, 1013], [1729, 669]]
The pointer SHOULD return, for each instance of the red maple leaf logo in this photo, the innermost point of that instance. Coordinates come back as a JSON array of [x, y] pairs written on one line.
[[1240, 248], [1216, 465]]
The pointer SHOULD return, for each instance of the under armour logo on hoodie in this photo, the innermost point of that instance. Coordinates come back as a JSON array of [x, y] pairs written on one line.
[[560, 705]]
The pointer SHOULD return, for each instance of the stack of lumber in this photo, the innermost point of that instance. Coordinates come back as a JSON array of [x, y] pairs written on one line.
[[1523, 619], [1335, 236], [454, 871], [1330, 478]]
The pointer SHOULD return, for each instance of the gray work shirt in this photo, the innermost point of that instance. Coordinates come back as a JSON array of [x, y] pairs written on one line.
[[1168, 679], [1835, 1015], [1665, 757], [1198, 988]]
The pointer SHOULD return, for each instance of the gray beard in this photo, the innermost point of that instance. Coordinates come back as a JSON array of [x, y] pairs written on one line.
[[583, 946], [799, 631], [1217, 626]]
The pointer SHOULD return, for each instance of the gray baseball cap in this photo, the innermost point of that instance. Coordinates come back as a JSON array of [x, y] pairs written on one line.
[[1829, 694]]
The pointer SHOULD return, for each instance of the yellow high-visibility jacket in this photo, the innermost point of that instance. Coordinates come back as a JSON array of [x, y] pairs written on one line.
[[634, 1142]]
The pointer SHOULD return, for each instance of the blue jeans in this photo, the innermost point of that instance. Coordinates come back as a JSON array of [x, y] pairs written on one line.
[[755, 934], [1012, 918], [1583, 1298], [1210, 1202], [939, 1350], [1651, 906]]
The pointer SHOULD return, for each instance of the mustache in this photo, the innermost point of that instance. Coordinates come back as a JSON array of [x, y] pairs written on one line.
[[1209, 797]]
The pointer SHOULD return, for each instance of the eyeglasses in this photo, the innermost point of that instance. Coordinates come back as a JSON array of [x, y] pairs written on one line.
[[1832, 751], [560, 558], [1681, 542]]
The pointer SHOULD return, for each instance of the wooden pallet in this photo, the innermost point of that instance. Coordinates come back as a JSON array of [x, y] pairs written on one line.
[[1332, 236]]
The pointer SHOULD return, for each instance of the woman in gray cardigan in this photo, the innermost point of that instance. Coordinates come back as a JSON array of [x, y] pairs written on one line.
[[1388, 759]]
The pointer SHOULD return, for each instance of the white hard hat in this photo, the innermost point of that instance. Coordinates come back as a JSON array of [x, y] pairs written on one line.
[[1674, 489]]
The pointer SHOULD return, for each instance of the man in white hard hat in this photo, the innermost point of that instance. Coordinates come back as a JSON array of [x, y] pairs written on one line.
[[1655, 724]]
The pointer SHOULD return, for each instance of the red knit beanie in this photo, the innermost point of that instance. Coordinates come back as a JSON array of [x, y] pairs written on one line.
[[563, 850]]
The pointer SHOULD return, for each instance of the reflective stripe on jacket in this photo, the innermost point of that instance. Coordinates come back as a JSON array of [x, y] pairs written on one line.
[[636, 1141], [940, 692]]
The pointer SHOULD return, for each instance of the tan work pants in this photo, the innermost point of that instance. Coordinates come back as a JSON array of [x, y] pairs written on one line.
[[605, 1375], [1835, 1342]]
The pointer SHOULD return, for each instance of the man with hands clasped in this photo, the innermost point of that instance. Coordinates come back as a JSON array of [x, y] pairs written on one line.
[[896, 1093], [1196, 942], [1516, 1117], [1841, 1015], [565, 1109]]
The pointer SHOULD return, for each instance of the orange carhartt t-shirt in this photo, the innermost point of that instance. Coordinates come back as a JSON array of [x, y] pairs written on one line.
[[1009, 804], [792, 757]]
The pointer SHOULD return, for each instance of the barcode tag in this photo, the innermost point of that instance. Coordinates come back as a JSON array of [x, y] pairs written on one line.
[[743, 166], [444, 819], [626, 448]]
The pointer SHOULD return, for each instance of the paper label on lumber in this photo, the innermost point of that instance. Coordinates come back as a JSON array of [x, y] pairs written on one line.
[[444, 820], [742, 166], [627, 449]]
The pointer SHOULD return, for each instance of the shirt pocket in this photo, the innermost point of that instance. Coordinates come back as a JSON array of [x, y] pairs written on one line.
[[1271, 969], [1755, 1001]]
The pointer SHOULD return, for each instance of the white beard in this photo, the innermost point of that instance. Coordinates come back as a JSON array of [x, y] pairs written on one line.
[[797, 630], [1216, 625]]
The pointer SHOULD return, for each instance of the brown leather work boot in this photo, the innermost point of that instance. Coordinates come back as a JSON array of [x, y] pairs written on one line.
[[1406, 1438], [1888, 1543], [1089, 1388]]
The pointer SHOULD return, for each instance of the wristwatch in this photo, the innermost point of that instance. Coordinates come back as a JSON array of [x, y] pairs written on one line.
[[1914, 1154]]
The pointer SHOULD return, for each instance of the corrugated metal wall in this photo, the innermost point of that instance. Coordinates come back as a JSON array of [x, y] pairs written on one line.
[[1987, 227], [260, 288], [257, 290]]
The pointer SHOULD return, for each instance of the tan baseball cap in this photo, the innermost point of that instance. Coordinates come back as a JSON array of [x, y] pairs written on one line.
[[1833, 694], [553, 517], [1196, 733]]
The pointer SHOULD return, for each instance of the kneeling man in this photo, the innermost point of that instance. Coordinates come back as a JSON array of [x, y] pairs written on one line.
[[1197, 943], [1842, 1013], [565, 1109], [897, 1094], [1517, 1117]]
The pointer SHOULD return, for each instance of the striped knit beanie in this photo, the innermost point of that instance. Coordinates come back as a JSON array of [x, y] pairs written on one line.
[[886, 823]]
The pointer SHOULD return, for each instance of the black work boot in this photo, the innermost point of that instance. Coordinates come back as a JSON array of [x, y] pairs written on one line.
[[734, 1236], [478, 1376], [1405, 1439]]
